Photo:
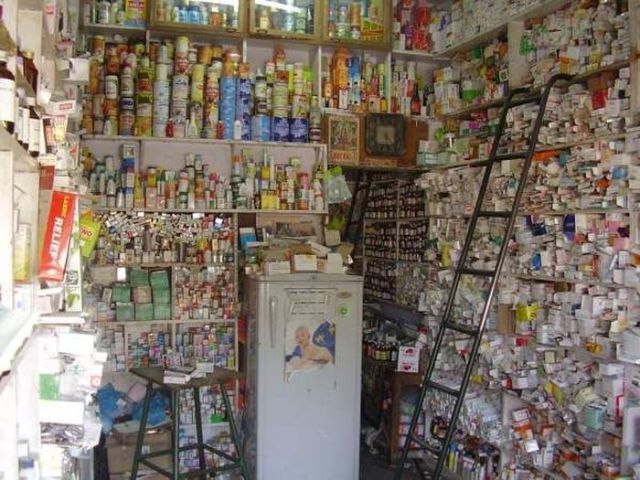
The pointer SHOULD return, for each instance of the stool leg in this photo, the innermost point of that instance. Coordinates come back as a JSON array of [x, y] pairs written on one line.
[[234, 432], [141, 432], [175, 434], [203, 465]]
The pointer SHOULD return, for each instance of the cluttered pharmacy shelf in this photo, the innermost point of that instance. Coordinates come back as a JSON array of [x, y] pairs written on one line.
[[168, 162]]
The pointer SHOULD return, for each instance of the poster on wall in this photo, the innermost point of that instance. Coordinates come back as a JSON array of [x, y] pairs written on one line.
[[310, 342]]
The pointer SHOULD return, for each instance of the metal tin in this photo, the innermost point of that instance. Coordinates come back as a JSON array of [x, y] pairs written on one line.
[[298, 130], [161, 92], [144, 126], [98, 105], [111, 87], [126, 123], [98, 46], [280, 129], [127, 88], [110, 107], [261, 130], [127, 104], [159, 128]]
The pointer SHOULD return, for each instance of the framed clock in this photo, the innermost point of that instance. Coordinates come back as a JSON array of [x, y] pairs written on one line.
[[385, 134]]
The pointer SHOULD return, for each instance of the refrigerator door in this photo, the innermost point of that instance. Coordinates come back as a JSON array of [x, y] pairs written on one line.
[[308, 378]]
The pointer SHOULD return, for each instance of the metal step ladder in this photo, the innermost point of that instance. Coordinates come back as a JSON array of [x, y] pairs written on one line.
[[517, 97], [358, 208]]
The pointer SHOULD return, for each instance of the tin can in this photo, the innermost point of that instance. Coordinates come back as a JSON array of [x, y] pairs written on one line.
[[126, 123], [161, 113], [261, 131], [204, 54], [300, 106], [299, 130], [280, 129], [98, 105], [281, 112], [197, 83], [144, 126], [111, 87], [144, 109], [127, 104], [98, 126], [280, 95], [161, 92], [98, 46], [110, 107], [159, 129], [126, 85]]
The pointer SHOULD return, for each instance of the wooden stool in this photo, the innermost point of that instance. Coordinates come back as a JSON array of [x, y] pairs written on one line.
[[219, 377]]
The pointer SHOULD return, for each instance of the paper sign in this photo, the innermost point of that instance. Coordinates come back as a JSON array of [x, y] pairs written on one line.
[[408, 359]]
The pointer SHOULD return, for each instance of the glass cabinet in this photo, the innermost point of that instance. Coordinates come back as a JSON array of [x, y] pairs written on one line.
[[364, 23], [202, 15], [296, 19]]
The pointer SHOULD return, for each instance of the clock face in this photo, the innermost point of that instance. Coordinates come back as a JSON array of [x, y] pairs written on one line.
[[386, 135]]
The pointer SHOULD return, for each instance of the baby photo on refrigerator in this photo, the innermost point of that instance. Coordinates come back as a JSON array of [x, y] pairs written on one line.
[[309, 345]]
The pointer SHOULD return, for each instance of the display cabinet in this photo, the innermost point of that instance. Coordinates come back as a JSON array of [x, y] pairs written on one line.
[[201, 16], [364, 24], [298, 19]]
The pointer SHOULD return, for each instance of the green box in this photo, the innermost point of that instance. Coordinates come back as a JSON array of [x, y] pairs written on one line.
[[139, 277], [121, 292], [161, 295], [162, 311], [144, 312], [124, 311], [159, 279], [49, 386]]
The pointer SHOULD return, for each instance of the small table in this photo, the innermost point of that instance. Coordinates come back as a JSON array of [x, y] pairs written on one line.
[[155, 375]]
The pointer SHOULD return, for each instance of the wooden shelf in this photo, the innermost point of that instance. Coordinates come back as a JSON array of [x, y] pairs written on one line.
[[115, 29], [208, 210], [207, 141], [577, 211]]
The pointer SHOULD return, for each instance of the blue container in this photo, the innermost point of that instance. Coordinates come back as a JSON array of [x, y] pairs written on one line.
[[261, 131], [246, 126], [280, 129], [299, 130], [228, 105]]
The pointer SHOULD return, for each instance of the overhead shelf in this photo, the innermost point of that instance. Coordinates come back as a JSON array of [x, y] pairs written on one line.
[[539, 10], [205, 210], [114, 29], [207, 141], [23, 162]]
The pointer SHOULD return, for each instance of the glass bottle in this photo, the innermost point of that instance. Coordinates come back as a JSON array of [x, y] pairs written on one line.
[[34, 128], [416, 104], [29, 68], [315, 121], [7, 95]]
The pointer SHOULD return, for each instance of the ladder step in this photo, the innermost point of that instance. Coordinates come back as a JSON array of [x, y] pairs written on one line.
[[443, 388], [501, 157], [486, 213], [424, 445], [516, 102], [467, 330], [477, 271]]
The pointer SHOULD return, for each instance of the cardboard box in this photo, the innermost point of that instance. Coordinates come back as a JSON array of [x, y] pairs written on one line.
[[142, 295], [161, 295], [159, 279], [120, 455], [332, 264], [161, 311], [277, 268], [343, 137], [144, 312], [124, 312], [121, 293], [139, 277], [304, 263]]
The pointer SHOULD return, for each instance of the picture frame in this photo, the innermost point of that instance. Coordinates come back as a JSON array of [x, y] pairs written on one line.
[[343, 139], [385, 134]]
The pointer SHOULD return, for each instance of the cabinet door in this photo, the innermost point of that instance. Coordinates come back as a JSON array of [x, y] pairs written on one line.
[[295, 19], [199, 16], [357, 23]]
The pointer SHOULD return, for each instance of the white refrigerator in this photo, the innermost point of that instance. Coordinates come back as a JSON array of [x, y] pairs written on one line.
[[304, 337]]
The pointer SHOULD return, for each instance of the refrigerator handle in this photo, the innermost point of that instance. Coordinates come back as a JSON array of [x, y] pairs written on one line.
[[273, 306]]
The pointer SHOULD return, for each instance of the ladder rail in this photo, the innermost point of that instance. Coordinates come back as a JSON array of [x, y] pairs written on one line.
[[494, 281]]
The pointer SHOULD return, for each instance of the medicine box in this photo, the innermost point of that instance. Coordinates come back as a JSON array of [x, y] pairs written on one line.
[[124, 311], [139, 277], [121, 293], [159, 279], [161, 311], [142, 295], [144, 312], [161, 295]]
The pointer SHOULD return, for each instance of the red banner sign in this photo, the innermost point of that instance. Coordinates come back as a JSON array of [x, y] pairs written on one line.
[[55, 246]]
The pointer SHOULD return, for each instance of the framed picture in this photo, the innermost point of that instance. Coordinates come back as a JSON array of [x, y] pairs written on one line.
[[343, 139], [385, 134]]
